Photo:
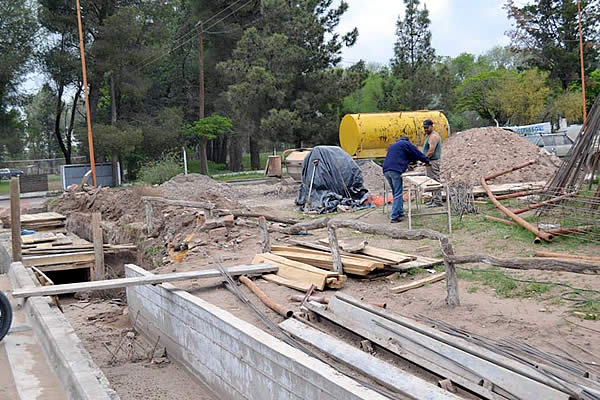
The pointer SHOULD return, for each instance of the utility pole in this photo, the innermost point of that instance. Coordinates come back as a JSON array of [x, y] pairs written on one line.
[[581, 60], [201, 66], [87, 95]]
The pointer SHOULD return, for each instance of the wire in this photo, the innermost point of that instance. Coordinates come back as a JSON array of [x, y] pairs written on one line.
[[145, 64]]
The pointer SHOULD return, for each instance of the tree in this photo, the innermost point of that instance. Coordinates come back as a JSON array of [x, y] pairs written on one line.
[[505, 96], [200, 132], [114, 141], [40, 124], [547, 30], [17, 31], [283, 69], [410, 84]]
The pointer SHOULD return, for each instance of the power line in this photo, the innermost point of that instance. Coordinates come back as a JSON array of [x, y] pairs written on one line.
[[194, 30]]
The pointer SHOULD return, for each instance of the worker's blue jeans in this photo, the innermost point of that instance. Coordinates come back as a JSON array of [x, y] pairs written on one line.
[[395, 180]]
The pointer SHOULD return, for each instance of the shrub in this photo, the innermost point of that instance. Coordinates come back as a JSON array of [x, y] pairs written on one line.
[[161, 170]]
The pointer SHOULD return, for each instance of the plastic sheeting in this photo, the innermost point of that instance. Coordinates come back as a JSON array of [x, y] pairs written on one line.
[[337, 181]]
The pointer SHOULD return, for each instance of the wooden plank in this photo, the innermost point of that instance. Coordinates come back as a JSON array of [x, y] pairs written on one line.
[[420, 262], [436, 351], [387, 256], [64, 267], [301, 286], [98, 273], [47, 216], [351, 266], [15, 213], [418, 283], [43, 246], [295, 272], [141, 280], [65, 258], [326, 249], [38, 237], [324, 258], [379, 370]]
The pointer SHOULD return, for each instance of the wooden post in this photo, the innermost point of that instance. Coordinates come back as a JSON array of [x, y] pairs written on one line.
[[15, 218], [409, 207], [99, 271], [335, 251], [449, 209], [201, 68], [266, 240]]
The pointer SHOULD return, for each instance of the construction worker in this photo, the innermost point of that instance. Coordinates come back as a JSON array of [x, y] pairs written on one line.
[[433, 151], [399, 155]]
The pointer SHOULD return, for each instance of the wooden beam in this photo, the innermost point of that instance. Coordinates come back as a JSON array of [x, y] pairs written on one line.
[[15, 216], [383, 372], [99, 272], [295, 271], [65, 258], [298, 285], [418, 283], [335, 251], [141, 280], [565, 255]]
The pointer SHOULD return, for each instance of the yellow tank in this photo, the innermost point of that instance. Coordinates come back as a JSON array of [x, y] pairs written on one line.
[[369, 135]]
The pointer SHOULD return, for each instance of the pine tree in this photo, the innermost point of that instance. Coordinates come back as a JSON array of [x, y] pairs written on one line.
[[412, 49], [411, 83]]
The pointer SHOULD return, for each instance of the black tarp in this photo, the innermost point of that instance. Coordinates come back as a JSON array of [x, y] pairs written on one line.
[[337, 181]]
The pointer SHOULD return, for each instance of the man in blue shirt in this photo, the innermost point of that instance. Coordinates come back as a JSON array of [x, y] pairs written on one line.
[[399, 155]]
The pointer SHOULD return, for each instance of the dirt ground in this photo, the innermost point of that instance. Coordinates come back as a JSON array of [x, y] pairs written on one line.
[[540, 312], [102, 326]]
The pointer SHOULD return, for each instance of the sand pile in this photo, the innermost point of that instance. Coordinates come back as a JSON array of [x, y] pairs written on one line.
[[471, 154]]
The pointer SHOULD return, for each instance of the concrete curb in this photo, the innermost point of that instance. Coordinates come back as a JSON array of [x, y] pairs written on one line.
[[80, 377], [234, 358]]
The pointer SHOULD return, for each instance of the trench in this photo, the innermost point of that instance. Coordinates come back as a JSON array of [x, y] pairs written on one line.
[[101, 321]]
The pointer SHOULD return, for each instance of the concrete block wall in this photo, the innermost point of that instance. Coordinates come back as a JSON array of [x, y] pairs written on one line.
[[234, 358], [33, 183]]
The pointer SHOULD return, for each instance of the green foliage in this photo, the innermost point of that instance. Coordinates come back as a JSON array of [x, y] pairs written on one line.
[[547, 30], [505, 96], [364, 100], [207, 128], [410, 83], [116, 139], [161, 170]]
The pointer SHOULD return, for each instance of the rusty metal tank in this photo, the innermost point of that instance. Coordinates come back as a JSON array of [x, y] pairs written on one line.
[[369, 135]]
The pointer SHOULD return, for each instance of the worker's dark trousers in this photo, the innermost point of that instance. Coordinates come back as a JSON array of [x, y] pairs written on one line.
[[395, 180]]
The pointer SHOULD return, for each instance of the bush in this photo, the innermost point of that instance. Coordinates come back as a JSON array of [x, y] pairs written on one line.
[[160, 171]]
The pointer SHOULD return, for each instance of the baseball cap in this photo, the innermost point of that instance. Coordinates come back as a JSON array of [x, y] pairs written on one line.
[[427, 123]]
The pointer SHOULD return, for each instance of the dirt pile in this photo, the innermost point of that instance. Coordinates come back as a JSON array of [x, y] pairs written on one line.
[[116, 204], [471, 154], [196, 187], [373, 176]]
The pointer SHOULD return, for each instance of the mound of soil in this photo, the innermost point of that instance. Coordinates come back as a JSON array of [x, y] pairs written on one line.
[[471, 154], [196, 187], [373, 176], [115, 204]]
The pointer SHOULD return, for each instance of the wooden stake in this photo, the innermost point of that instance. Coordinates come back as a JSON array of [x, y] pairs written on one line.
[[99, 270], [15, 218], [335, 251], [266, 240]]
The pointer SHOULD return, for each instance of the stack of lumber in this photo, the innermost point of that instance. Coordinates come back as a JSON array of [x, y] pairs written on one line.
[[321, 259], [391, 259], [508, 188], [488, 368], [39, 222], [299, 275], [48, 248]]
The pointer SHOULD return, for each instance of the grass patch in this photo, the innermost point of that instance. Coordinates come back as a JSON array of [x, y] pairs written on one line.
[[239, 176], [4, 187], [216, 168]]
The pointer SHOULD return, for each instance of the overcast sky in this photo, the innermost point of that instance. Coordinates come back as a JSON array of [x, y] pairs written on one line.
[[457, 26]]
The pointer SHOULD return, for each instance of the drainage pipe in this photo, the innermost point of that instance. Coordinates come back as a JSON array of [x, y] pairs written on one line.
[[269, 302]]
